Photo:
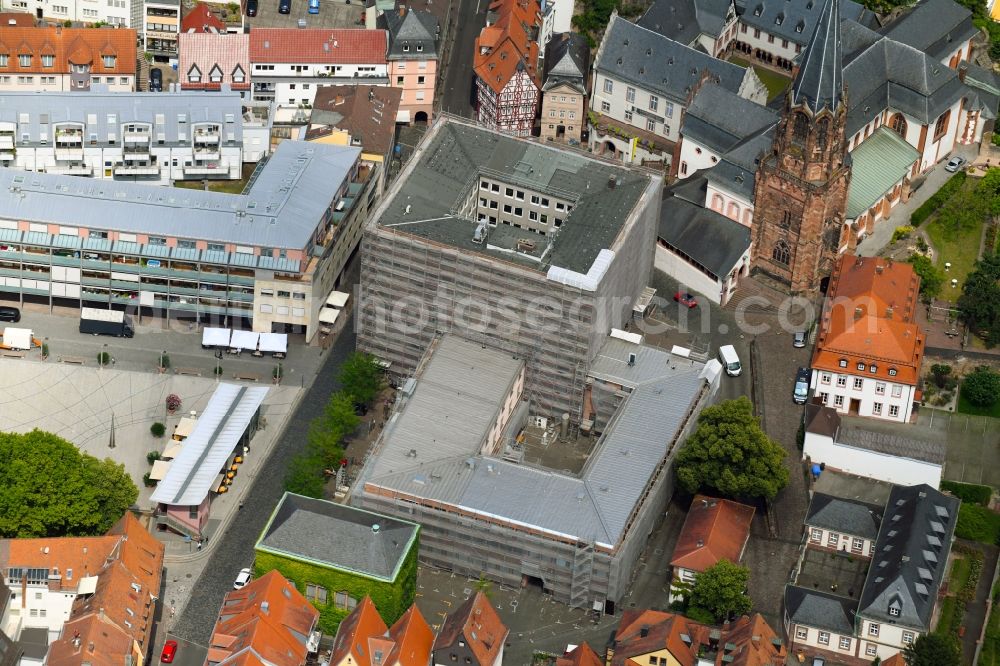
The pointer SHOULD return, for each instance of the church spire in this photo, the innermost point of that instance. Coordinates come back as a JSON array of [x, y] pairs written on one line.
[[820, 79]]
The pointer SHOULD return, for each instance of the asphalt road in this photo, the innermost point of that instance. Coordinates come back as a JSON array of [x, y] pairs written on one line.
[[456, 95], [199, 615]]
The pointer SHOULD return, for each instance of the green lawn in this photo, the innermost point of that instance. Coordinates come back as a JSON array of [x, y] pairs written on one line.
[[966, 407], [990, 656], [947, 618], [959, 246], [960, 571], [230, 186], [776, 83]]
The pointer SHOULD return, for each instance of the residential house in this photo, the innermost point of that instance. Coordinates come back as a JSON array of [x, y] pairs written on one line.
[[115, 13], [337, 555], [581, 655], [897, 600], [161, 25], [564, 91], [201, 19], [714, 530], [288, 65], [842, 525], [10, 651], [357, 116], [61, 59], [506, 67], [364, 640], [869, 350], [80, 589], [154, 137], [643, 81], [883, 450], [412, 57], [268, 621], [210, 61], [471, 634], [645, 637]]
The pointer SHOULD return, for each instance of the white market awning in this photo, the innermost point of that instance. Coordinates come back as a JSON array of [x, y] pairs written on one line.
[[184, 427], [87, 585], [172, 451], [329, 316], [244, 340], [274, 342], [160, 469], [17, 338], [337, 299], [215, 337]]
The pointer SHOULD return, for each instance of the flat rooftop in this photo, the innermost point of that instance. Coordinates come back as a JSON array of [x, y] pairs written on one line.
[[428, 196], [837, 573], [282, 208], [851, 487], [337, 536], [593, 505]]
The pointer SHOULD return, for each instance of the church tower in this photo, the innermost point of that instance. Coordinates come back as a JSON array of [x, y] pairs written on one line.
[[801, 186]]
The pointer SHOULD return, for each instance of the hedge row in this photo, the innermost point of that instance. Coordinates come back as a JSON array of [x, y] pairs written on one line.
[[969, 492], [977, 523], [937, 199]]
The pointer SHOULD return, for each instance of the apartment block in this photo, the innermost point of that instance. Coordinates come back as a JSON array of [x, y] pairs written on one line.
[[413, 60], [57, 59], [269, 256], [150, 137], [117, 13], [161, 25]]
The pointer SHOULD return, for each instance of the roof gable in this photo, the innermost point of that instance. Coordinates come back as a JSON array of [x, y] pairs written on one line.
[[715, 529]]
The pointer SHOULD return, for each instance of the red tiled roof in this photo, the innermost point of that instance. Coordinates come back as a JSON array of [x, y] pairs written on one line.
[[21, 19], [290, 45], [643, 631], [581, 655], [868, 318], [367, 113], [354, 632], [715, 529], [94, 640], [269, 631], [207, 51], [477, 624], [412, 640], [200, 20], [755, 641], [506, 46], [78, 46]]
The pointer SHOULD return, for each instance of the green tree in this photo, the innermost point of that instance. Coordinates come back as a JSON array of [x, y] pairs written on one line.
[[941, 372], [361, 377], [981, 387], [720, 591], [980, 300], [932, 650], [931, 278], [305, 474], [49, 488], [730, 454]]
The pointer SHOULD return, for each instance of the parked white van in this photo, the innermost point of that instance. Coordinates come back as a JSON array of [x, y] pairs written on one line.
[[730, 361]]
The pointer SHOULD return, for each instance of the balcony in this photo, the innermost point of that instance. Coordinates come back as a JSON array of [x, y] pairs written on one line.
[[69, 139], [132, 138], [6, 142], [206, 153], [6, 156], [73, 170], [137, 170], [133, 155], [206, 169], [206, 138], [63, 154]]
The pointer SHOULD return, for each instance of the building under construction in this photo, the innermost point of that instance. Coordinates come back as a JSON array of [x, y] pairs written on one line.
[[523, 247], [501, 492]]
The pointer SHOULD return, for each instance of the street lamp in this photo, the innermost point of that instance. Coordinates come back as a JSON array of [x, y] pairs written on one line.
[[162, 354]]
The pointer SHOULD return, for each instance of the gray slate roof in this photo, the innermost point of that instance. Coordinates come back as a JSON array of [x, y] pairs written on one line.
[[104, 113], [984, 84], [660, 65], [567, 61], [736, 171], [417, 28], [845, 516], [719, 119], [911, 555], [338, 536], [798, 18], [282, 208], [453, 154], [820, 80], [707, 238], [881, 436], [684, 20], [935, 27], [820, 609]]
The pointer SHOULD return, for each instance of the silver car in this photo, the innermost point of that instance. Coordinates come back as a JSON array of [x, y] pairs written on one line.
[[954, 164], [799, 339]]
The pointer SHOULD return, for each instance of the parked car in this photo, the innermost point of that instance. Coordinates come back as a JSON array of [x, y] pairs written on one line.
[[251, 7], [799, 339], [284, 6], [242, 579], [686, 299], [954, 164], [169, 651], [314, 6], [801, 391], [155, 80], [10, 314]]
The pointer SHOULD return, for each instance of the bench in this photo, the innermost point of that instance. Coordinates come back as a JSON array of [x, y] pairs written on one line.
[[195, 372], [13, 354], [246, 376], [76, 360]]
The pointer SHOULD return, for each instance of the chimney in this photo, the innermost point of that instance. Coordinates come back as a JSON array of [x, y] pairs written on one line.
[[879, 268], [402, 10], [59, 32], [962, 71], [375, 528], [858, 311], [265, 606]]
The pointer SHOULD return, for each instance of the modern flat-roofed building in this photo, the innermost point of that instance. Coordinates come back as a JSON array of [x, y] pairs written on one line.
[[269, 256], [161, 26], [534, 249], [454, 456], [150, 137]]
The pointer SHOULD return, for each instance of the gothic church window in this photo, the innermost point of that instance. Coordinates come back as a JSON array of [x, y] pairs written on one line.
[[822, 133], [898, 124], [780, 252], [800, 127]]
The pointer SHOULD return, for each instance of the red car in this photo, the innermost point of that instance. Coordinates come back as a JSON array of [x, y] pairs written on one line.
[[686, 299], [169, 650]]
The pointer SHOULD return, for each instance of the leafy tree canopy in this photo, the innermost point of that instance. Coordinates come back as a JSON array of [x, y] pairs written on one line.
[[720, 591], [49, 488], [361, 377], [931, 278], [730, 454], [980, 300], [932, 650], [981, 387]]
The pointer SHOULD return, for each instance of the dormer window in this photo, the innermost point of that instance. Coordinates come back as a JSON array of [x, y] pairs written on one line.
[[109, 61], [48, 61], [894, 610], [24, 60], [843, 362], [758, 10], [406, 48], [800, 26], [861, 366], [420, 47], [892, 372], [779, 19], [873, 368]]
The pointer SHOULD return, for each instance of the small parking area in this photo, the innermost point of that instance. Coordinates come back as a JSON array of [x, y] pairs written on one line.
[[332, 14]]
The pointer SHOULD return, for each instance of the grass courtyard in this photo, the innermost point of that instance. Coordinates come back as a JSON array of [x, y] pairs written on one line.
[[228, 186], [966, 407], [775, 82], [955, 232]]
